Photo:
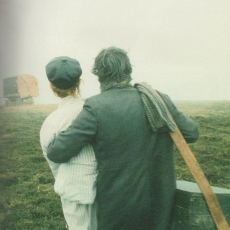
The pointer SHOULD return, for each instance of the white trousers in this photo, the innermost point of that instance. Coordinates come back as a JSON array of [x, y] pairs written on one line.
[[80, 216]]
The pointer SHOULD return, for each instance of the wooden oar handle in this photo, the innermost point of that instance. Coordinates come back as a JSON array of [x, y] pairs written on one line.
[[196, 171], [201, 180]]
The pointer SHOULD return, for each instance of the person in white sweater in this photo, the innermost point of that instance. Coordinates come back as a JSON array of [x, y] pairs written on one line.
[[75, 181]]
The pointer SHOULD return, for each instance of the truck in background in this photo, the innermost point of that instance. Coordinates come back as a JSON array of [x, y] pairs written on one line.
[[20, 90]]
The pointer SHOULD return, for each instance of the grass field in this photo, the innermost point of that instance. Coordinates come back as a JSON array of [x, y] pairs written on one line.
[[27, 199]]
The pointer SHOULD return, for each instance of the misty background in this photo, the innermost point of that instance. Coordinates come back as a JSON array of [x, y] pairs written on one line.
[[181, 48]]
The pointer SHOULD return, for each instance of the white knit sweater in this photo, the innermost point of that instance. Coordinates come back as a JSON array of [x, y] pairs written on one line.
[[76, 179]]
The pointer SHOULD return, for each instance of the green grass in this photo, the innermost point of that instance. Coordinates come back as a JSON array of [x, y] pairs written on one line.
[[212, 150], [27, 198]]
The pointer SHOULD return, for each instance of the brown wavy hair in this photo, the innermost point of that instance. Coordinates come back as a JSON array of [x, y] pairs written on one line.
[[72, 91], [113, 65]]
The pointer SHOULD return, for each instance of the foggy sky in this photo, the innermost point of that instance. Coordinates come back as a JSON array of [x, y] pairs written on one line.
[[181, 48]]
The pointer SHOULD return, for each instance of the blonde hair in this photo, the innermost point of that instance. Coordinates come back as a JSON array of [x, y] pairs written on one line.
[[72, 91]]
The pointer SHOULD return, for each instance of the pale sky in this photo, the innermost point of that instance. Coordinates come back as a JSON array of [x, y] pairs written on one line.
[[180, 47]]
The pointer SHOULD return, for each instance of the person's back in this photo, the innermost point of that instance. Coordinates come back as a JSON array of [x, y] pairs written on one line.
[[75, 180], [123, 146], [136, 182]]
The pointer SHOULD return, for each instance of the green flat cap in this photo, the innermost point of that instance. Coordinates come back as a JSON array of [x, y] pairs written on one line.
[[63, 72]]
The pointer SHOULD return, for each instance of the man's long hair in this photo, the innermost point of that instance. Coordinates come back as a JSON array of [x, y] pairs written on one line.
[[112, 65]]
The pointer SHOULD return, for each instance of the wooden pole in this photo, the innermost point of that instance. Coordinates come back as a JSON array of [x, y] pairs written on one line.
[[201, 180]]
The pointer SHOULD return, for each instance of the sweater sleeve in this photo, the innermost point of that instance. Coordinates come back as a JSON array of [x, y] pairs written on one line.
[[186, 125], [80, 133], [47, 134]]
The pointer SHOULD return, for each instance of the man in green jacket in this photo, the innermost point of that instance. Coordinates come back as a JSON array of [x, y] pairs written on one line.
[[136, 181]]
